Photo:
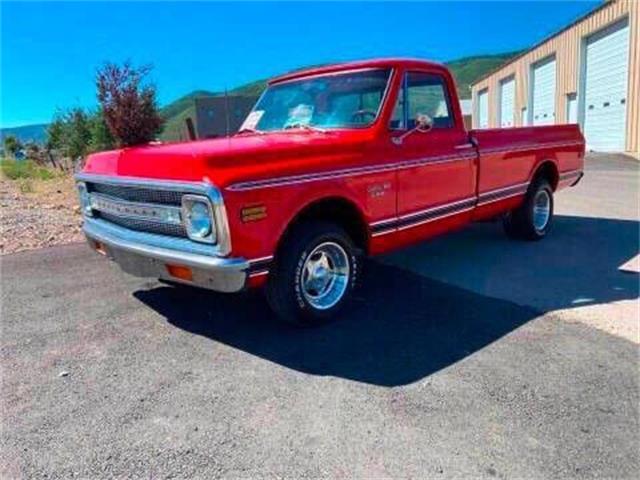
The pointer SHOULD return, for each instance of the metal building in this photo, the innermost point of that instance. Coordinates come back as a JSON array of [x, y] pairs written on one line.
[[221, 116], [587, 73]]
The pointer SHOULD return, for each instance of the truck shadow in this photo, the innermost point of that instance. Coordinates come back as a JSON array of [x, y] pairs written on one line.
[[577, 265], [404, 326]]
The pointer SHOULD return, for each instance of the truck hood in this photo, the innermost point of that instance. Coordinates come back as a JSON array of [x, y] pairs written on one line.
[[227, 160]]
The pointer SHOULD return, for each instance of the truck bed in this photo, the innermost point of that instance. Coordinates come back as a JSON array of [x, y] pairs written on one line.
[[508, 156]]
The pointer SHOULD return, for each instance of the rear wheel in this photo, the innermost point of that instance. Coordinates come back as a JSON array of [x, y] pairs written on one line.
[[315, 272], [532, 220]]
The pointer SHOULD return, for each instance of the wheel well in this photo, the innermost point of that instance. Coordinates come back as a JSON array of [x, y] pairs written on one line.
[[336, 210], [549, 172]]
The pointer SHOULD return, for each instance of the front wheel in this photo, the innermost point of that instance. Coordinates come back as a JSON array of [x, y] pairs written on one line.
[[532, 220], [314, 275]]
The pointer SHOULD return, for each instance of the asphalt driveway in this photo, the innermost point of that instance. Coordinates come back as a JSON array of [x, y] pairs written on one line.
[[433, 374]]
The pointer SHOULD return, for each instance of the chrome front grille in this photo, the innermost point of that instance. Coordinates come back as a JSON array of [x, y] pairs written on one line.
[[144, 225], [150, 210], [137, 208], [137, 194]]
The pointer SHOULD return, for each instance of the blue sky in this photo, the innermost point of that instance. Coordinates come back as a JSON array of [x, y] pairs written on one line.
[[50, 51]]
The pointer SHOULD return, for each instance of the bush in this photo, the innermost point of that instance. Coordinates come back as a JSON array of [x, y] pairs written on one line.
[[25, 169]]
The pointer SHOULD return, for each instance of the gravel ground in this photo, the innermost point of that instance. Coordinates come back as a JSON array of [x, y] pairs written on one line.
[[46, 215]]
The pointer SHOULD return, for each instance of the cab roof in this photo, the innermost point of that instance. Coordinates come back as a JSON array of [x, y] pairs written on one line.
[[373, 63]]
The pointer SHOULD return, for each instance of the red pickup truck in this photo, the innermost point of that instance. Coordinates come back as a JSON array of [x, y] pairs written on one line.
[[333, 164]]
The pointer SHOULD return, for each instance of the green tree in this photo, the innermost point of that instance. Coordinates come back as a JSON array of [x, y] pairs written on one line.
[[12, 145], [75, 133], [69, 135], [101, 138]]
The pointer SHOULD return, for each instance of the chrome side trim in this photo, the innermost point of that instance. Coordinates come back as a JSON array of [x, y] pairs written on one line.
[[435, 160], [333, 174], [529, 146], [258, 274], [403, 222], [311, 177], [260, 266], [384, 232], [486, 192], [203, 187], [503, 193], [464, 201], [503, 197], [420, 217], [437, 217], [261, 259]]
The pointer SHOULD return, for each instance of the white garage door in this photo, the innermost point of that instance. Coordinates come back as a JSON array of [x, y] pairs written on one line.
[[483, 109], [544, 93], [572, 108], [507, 99], [605, 99]]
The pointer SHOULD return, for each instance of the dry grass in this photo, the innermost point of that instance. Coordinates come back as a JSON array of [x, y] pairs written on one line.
[[37, 213]]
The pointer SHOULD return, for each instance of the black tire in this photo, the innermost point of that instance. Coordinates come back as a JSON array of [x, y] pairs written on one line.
[[521, 223], [284, 290]]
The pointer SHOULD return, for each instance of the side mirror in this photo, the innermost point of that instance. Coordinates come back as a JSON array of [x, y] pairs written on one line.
[[424, 123]]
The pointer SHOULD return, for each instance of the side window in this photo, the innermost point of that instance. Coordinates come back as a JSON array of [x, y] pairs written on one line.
[[426, 93]]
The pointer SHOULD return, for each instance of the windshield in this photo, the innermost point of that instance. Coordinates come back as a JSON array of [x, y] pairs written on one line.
[[329, 101]]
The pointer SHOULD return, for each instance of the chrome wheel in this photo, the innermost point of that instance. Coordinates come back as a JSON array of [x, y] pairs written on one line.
[[541, 210], [325, 275]]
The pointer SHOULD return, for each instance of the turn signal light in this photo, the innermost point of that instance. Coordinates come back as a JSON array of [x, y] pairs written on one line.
[[181, 272], [253, 213]]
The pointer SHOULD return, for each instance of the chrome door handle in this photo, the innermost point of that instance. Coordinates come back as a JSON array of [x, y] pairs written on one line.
[[464, 146]]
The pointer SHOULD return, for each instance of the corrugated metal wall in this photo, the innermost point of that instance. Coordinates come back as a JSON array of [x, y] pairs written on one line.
[[567, 47]]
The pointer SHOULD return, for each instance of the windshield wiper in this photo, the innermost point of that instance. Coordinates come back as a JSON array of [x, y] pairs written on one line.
[[305, 126], [249, 130]]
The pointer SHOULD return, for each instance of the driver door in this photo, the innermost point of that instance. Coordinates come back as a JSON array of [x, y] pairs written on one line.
[[436, 178]]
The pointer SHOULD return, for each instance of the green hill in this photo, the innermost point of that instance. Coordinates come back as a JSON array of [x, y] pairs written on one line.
[[468, 70], [180, 105], [28, 133]]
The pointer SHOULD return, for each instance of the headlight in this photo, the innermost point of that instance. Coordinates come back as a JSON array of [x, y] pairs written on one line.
[[198, 218], [85, 199]]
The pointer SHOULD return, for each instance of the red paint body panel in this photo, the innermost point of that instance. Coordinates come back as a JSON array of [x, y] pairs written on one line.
[[433, 183]]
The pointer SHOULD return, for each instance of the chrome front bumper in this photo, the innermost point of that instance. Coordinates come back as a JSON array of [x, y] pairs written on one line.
[[147, 255]]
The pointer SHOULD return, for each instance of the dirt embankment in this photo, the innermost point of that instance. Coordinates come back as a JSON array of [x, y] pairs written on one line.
[[38, 213]]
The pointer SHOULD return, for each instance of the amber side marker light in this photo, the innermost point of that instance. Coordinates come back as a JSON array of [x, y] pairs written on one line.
[[100, 248], [179, 271], [252, 213]]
